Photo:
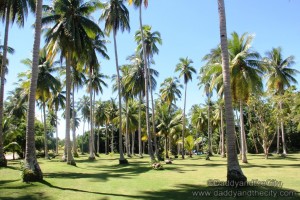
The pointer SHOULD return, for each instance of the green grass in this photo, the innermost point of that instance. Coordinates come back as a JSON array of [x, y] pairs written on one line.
[[105, 179]]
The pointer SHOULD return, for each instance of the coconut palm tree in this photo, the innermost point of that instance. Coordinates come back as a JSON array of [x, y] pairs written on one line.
[[116, 16], [186, 71], [32, 170], [170, 90], [72, 31], [280, 76], [10, 11], [234, 171]]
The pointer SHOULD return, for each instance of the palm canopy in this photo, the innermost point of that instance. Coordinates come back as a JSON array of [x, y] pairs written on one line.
[[137, 3], [97, 82], [18, 10], [150, 38], [73, 28], [116, 16], [280, 75], [170, 90], [185, 69]]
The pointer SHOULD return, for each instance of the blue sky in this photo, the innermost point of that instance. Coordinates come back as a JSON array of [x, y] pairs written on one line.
[[188, 29]]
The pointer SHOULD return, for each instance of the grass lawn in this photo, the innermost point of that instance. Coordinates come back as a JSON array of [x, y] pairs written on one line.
[[104, 179]]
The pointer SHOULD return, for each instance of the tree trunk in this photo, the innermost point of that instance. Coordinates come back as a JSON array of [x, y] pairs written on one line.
[[106, 139], [234, 171], [82, 135], [278, 138], [140, 128], [122, 160], [91, 140], [166, 147], [70, 159], [73, 125], [3, 161], [255, 145], [222, 133], [56, 128], [282, 133], [112, 141], [127, 140], [132, 147], [209, 130], [183, 121], [150, 150], [32, 171], [243, 136], [45, 131]]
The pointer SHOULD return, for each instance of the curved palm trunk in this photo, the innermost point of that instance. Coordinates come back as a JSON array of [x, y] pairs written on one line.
[[150, 149], [234, 171], [91, 139], [222, 133], [32, 170], [73, 124], [243, 136], [122, 160], [282, 133], [3, 161], [140, 128], [183, 122], [68, 147], [45, 130]]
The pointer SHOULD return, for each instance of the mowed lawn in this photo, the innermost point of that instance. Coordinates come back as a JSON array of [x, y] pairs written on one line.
[[184, 179]]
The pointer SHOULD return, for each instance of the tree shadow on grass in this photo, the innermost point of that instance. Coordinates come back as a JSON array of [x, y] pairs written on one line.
[[91, 192], [32, 196], [187, 191]]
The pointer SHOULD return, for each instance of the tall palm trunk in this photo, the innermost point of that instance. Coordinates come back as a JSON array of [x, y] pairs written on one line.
[[45, 130], [3, 161], [209, 130], [82, 135], [278, 138], [122, 160], [73, 124], [282, 132], [106, 138], [222, 133], [91, 139], [166, 146], [140, 128], [183, 122], [243, 136], [56, 130], [68, 147], [150, 149], [127, 141], [112, 141], [132, 147], [32, 170], [234, 171]]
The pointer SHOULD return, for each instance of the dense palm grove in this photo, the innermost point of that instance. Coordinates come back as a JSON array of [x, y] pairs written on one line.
[[261, 88]]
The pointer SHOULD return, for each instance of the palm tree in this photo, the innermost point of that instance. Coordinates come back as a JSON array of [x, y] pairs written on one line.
[[72, 32], [170, 91], [116, 17], [186, 71], [111, 111], [10, 11], [234, 171], [280, 76], [32, 171], [148, 48], [246, 72]]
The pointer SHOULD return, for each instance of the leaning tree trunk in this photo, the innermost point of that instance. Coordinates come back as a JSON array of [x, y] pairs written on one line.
[[234, 171], [140, 128], [122, 160], [282, 133], [73, 124], [243, 136], [183, 122], [3, 161], [45, 130], [32, 170], [91, 138], [150, 149], [68, 146]]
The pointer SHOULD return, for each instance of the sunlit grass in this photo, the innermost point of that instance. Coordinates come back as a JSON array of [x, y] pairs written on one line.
[[105, 179]]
